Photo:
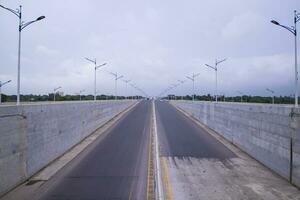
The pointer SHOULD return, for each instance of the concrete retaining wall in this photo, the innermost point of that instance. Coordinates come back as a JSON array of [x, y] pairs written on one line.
[[31, 136], [264, 131]]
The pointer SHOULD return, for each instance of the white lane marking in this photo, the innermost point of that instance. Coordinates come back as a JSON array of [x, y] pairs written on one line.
[[160, 194]]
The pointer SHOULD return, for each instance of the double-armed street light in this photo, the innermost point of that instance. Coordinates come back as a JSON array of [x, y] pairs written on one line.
[[95, 78], [54, 91], [126, 82], [216, 72], [181, 82], [133, 87], [293, 30], [139, 90], [80, 92], [173, 87], [22, 25], [241, 95], [272, 92], [116, 83], [223, 95], [1, 84], [192, 78]]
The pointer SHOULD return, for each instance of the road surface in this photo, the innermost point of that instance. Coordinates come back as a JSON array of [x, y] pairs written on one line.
[[114, 167], [198, 166], [193, 164]]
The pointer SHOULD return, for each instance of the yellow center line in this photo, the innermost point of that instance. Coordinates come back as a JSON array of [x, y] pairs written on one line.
[[129, 198], [149, 167], [167, 178]]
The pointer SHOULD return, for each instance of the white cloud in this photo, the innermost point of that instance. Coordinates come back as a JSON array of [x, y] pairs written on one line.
[[46, 51], [243, 25], [274, 71], [153, 43]]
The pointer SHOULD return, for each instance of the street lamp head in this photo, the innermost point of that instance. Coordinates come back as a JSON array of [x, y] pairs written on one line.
[[40, 18], [275, 22]]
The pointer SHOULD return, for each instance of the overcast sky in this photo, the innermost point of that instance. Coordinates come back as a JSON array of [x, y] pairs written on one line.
[[153, 43]]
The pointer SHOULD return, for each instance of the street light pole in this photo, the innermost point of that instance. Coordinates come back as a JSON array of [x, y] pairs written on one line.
[[192, 78], [126, 82], [216, 74], [293, 30], [173, 87], [22, 25], [95, 77], [241, 95], [132, 86], [55, 89], [1, 84], [116, 84], [181, 82], [80, 94], [272, 92]]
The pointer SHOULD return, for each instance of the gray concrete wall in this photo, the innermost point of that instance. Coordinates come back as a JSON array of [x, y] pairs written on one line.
[[264, 131], [31, 136]]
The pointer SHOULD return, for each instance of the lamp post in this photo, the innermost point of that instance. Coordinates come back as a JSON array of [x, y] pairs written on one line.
[[55, 89], [22, 25], [293, 30], [95, 78], [173, 87], [126, 82], [116, 83], [272, 92], [192, 78], [223, 97], [181, 82], [1, 84], [80, 92], [133, 87], [216, 72], [241, 95]]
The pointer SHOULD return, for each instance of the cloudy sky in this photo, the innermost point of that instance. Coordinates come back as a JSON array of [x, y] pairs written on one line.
[[153, 43]]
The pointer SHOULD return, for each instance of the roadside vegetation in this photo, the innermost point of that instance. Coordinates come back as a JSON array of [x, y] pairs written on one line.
[[245, 98], [50, 97]]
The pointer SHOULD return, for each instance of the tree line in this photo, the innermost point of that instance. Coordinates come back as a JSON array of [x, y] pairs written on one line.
[[50, 97], [244, 98]]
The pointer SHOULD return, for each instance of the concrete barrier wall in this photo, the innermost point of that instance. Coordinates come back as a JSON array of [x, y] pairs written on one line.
[[264, 131], [31, 136]]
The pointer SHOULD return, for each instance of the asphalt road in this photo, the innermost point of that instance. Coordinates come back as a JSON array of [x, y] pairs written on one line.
[[181, 137], [113, 167]]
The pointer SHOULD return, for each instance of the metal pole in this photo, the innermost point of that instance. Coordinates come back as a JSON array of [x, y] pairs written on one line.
[[193, 87], [95, 89], [216, 84], [19, 56], [54, 95], [126, 91], [116, 88], [0, 92], [296, 70], [193, 90]]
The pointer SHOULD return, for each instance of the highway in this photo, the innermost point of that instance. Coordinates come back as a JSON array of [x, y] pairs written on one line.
[[113, 167], [193, 162], [180, 137]]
